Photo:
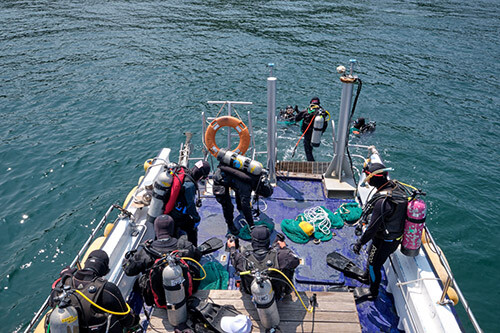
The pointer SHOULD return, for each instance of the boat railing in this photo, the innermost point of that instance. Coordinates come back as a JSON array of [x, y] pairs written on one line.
[[451, 282], [206, 120], [76, 261]]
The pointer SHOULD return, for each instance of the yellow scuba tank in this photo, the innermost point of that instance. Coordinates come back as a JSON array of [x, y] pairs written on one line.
[[239, 162]]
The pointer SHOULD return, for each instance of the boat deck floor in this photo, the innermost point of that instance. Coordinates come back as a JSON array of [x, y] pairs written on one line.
[[336, 312]]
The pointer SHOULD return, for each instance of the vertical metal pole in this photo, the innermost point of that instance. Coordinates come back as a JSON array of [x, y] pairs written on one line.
[[271, 128], [340, 143], [229, 128]]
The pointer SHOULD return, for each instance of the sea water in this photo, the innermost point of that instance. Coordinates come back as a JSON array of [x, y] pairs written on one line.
[[91, 89]]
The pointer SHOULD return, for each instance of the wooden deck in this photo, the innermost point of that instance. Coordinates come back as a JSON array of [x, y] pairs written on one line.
[[336, 312]]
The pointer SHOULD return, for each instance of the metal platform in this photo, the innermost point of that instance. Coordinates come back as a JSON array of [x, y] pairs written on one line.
[[336, 312], [299, 169]]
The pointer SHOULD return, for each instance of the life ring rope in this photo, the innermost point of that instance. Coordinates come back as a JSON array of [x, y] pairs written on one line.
[[227, 121]]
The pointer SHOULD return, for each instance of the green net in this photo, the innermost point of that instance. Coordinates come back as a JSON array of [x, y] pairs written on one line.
[[245, 231], [350, 212], [217, 276], [321, 218]]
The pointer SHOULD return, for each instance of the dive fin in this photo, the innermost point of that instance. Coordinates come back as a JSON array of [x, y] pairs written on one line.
[[210, 313], [210, 245], [346, 266]]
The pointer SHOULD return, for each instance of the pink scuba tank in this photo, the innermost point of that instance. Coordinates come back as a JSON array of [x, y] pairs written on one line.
[[415, 222]]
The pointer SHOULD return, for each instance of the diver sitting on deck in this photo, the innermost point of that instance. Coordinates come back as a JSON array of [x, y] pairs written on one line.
[[79, 288], [261, 256], [145, 259], [388, 214], [184, 213]]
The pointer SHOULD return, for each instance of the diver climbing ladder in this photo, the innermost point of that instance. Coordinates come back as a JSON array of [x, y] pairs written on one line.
[[336, 312]]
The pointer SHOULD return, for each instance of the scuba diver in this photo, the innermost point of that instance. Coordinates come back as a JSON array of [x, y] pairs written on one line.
[[81, 290], [313, 126], [288, 114], [260, 255], [243, 176], [148, 260], [388, 208], [184, 213], [360, 126]]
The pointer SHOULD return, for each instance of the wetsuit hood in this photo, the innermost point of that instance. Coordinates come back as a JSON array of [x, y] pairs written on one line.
[[314, 100], [164, 226], [98, 262], [261, 237], [377, 180]]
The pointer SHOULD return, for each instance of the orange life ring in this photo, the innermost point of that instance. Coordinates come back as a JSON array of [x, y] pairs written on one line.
[[233, 122]]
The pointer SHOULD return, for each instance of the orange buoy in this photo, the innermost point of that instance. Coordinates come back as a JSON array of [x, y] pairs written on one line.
[[227, 121]]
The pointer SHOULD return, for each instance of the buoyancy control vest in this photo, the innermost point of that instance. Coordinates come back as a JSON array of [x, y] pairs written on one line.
[[260, 184], [89, 319], [174, 191], [269, 260], [393, 222], [151, 283]]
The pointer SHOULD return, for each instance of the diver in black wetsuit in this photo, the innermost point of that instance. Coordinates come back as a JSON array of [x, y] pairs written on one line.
[[260, 255], [184, 213], [360, 126], [307, 116], [143, 261], [386, 225], [106, 294], [223, 181]]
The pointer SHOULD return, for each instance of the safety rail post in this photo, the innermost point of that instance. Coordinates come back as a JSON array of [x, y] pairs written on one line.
[[468, 310], [250, 127], [271, 128]]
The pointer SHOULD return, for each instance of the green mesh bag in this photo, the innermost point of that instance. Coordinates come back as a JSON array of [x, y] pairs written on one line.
[[217, 276], [350, 212]]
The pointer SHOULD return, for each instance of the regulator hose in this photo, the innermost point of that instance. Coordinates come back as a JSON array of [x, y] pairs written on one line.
[[103, 309], [204, 272]]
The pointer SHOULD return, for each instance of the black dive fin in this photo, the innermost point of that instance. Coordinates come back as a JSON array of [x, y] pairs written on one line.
[[210, 313], [363, 294], [210, 245], [346, 266]]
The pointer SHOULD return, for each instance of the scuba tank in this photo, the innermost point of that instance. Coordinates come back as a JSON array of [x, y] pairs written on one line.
[[239, 162], [175, 296], [263, 298], [64, 318], [319, 122], [161, 186], [414, 224]]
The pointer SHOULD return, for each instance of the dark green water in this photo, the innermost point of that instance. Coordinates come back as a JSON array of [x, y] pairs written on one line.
[[89, 90]]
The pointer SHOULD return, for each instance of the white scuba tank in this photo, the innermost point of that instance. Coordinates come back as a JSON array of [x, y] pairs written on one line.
[[64, 320], [173, 284], [319, 122], [239, 162], [263, 298], [161, 186]]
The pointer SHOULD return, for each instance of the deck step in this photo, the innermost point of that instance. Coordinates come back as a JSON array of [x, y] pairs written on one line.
[[336, 312]]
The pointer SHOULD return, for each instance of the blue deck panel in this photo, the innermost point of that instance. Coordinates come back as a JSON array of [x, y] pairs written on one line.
[[291, 198]]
